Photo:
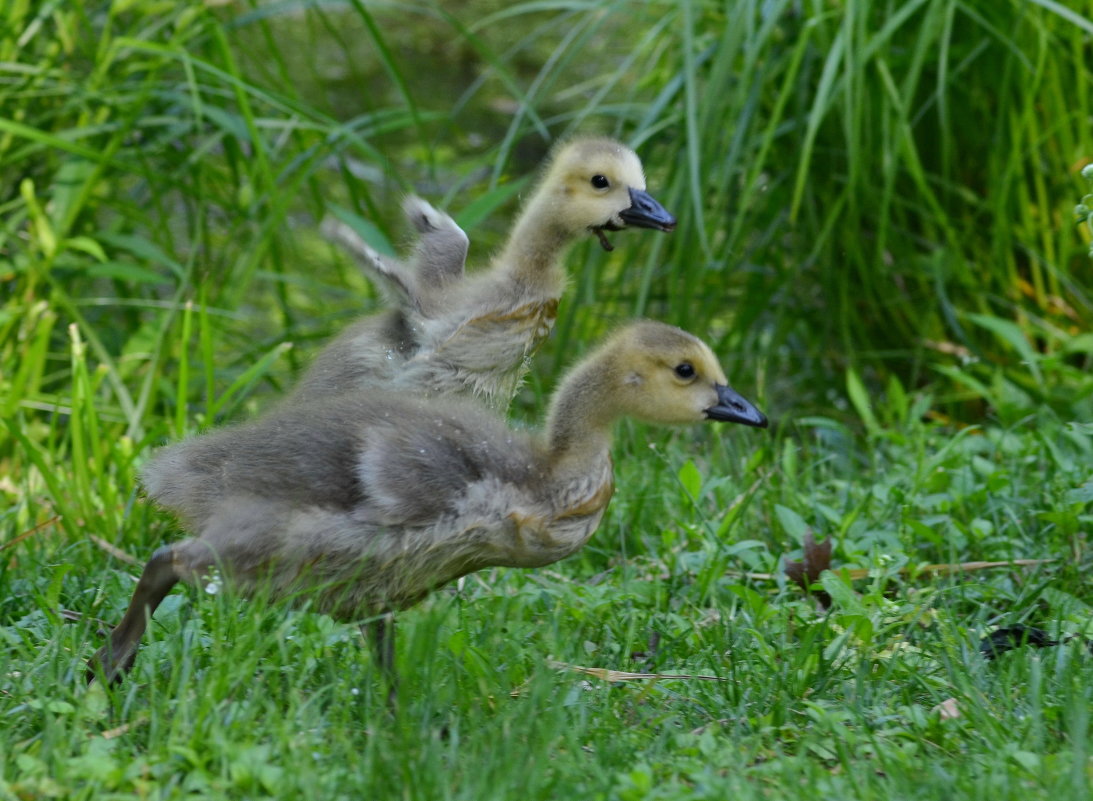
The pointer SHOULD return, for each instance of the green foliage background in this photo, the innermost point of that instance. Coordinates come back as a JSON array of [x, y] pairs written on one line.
[[876, 233], [884, 186]]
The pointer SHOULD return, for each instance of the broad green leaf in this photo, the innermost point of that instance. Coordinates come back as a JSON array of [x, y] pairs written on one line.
[[792, 522], [143, 249], [690, 478], [1083, 494], [1010, 333], [124, 271], [87, 245], [855, 389], [841, 592]]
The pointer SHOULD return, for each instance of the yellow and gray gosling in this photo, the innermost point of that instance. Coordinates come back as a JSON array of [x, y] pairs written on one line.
[[363, 504], [473, 335]]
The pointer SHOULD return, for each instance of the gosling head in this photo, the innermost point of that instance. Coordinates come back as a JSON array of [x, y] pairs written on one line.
[[664, 375], [597, 185]]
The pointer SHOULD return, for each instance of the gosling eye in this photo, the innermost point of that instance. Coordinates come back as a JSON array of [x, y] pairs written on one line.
[[600, 181], [685, 370]]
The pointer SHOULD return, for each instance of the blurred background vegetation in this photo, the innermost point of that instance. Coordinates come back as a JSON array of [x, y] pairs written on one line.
[[876, 199]]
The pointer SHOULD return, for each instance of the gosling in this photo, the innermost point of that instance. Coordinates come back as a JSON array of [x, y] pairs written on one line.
[[439, 257], [365, 503], [477, 336]]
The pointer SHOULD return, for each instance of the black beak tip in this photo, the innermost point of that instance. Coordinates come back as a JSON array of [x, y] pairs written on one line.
[[666, 223], [752, 418], [646, 212], [734, 408]]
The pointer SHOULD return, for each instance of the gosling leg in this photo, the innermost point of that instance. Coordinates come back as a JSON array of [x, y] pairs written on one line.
[[116, 658], [380, 634]]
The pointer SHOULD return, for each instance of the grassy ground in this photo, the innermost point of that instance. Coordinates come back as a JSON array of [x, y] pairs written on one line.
[[242, 700], [896, 281]]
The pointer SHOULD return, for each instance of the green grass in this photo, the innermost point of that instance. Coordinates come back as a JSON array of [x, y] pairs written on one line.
[[243, 700], [876, 233]]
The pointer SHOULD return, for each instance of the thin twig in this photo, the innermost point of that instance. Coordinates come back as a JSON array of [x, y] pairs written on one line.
[[856, 573], [622, 675], [29, 533], [114, 550]]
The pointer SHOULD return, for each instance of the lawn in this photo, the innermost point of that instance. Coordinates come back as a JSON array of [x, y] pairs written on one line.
[[237, 699]]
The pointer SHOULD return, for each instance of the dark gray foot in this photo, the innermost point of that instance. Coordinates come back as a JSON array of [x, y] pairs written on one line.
[[111, 662]]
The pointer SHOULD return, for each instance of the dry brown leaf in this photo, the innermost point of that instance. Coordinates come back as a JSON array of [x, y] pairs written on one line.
[[948, 348], [110, 734], [948, 709], [806, 571], [817, 560]]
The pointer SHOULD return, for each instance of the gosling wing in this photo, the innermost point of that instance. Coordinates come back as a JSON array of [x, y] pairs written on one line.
[[426, 467], [293, 455]]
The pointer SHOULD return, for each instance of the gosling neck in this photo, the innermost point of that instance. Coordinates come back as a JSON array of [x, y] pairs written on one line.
[[533, 252], [580, 419]]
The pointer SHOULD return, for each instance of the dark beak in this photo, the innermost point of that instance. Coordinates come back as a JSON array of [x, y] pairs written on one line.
[[646, 212], [732, 408]]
